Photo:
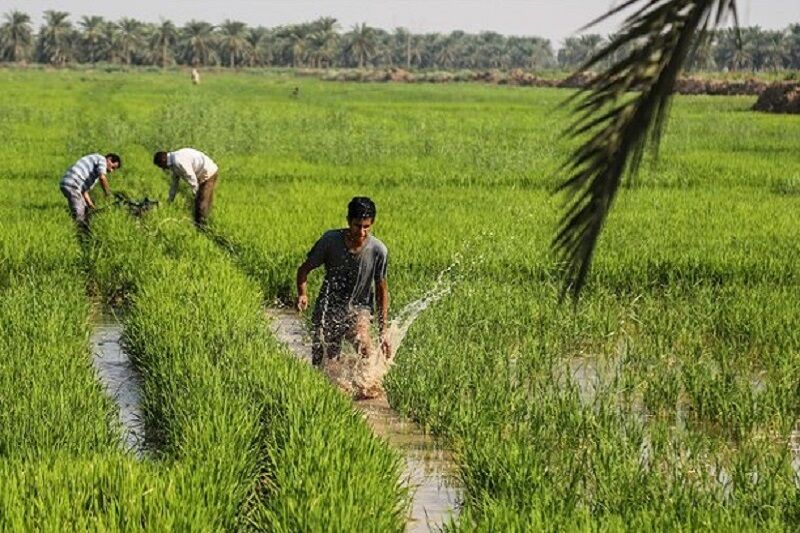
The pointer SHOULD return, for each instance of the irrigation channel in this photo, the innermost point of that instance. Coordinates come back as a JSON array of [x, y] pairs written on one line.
[[430, 471], [119, 378]]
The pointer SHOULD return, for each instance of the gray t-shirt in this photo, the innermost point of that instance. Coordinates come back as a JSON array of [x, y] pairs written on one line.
[[349, 277]]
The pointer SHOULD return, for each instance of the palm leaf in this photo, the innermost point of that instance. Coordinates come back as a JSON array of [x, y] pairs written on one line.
[[621, 112]]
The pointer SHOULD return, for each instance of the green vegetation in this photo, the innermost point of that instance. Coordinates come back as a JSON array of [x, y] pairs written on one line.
[[664, 399], [240, 434], [321, 43]]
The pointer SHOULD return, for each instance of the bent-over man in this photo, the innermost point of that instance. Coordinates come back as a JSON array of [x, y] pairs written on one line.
[[79, 179], [199, 171], [355, 276]]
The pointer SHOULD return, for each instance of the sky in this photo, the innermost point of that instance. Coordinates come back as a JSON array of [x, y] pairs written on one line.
[[552, 19]]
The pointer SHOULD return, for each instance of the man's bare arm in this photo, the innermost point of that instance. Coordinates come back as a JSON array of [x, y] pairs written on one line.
[[302, 286], [173, 188], [104, 184], [88, 199]]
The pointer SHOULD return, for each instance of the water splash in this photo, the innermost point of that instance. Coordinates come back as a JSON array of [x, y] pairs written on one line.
[[361, 374]]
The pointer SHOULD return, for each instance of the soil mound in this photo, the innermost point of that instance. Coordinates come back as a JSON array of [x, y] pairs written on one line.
[[401, 75], [692, 85], [780, 98]]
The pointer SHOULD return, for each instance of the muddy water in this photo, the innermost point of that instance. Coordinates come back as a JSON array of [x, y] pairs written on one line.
[[119, 379], [429, 471]]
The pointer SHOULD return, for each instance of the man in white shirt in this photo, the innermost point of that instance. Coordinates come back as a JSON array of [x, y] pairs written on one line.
[[199, 171]]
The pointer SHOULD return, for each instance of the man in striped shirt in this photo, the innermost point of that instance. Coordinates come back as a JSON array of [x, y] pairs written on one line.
[[81, 177], [199, 171]]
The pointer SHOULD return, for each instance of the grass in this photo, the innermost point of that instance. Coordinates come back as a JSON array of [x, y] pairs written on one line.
[[689, 317]]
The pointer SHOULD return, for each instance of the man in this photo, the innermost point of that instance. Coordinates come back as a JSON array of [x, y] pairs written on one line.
[[199, 171], [81, 177], [355, 261]]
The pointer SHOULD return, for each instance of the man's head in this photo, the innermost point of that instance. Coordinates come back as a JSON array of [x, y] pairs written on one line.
[[360, 217], [160, 159], [113, 162]]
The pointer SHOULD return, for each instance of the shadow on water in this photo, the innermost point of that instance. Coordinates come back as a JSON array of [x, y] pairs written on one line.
[[429, 469], [119, 379]]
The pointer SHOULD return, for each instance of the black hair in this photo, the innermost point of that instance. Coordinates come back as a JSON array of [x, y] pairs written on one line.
[[360, 208], [160, 159], [114, 158]]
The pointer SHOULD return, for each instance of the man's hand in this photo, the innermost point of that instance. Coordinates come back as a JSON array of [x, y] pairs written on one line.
[[302, 302], [386, 346]]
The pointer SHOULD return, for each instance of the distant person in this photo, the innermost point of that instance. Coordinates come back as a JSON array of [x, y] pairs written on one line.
[[195, 77], [79, 179], [199, 171], [296, 92], [355, 276]]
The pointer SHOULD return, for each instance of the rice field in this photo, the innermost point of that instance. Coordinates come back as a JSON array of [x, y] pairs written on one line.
[[666, 398]]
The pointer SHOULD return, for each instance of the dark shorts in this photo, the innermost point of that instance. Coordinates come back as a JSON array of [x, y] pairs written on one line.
[[330, 328]]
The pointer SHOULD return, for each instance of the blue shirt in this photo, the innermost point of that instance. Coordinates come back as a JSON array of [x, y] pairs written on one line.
[[83, 175]]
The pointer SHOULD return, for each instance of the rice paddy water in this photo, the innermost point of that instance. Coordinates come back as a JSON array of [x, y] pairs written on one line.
[[119, 378]]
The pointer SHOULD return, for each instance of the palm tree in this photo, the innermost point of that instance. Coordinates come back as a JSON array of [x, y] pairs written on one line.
[[578, 50], [233, 41], [260, 51], [16, 36], [415, 51], [54, 38], [110, 42], [92, 36], [323, 41], [295, 44], [162, 42], [362, 43], [129, 38], [402, 47], [793, 45], [197, 38], [617, 127], [541, 55], [773, 50], [449, 50]]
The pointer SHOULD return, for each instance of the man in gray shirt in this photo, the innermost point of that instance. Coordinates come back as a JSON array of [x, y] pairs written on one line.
[[79, 179], [355, 262]]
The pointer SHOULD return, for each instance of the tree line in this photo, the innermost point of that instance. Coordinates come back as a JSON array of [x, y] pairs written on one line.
[[321, 44]]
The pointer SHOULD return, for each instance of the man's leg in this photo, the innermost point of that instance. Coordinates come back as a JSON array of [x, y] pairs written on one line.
[[329, 329], [204, 200], [77, 207], [358, 333]]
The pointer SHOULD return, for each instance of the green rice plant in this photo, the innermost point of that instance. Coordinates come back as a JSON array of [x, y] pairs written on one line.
[[665, 400]]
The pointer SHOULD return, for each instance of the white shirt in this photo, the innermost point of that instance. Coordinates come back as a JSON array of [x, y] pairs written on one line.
[[192, 165]]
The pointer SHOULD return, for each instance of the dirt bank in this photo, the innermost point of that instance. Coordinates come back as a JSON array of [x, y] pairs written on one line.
[[780, 98], [686, 85]]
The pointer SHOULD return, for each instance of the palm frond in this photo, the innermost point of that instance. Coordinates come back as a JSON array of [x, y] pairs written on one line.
[[621, 112]]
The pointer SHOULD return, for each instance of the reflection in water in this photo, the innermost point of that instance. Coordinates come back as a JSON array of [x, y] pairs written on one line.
[[429, 471], [119, 379], [429, 468]]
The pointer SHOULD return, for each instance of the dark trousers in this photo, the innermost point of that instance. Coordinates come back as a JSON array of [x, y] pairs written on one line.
[[331, 328], [204, 200]]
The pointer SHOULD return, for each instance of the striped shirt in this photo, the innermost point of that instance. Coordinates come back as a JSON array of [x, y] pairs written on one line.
[[192, 165], [83, 175]]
